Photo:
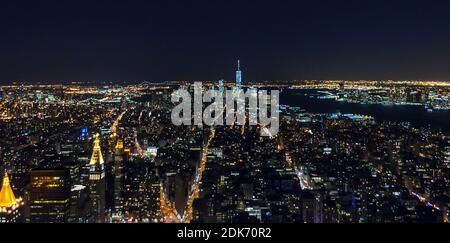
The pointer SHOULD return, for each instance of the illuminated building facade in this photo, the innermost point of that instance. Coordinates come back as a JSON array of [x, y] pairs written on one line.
[[221, 85], [447, 155], [97, 184], [49, 196], [238, 74], [9, 205], [118, 181], [79, 204]]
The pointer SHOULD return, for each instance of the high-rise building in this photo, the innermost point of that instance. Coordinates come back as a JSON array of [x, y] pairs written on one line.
[[154, 207], [79, 204], [221, 88], [97, 184], [311, 208], [117, 213], [447, 155], [49, 196], [238, 74], [9, 205]]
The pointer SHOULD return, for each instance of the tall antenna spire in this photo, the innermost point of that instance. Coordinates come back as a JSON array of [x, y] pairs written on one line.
[[238, 74]]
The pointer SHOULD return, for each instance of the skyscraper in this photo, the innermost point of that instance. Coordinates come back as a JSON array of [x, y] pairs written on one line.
[[311, 208], [79, 204], [447, 155], [118, 181], [97, 183], [221, 88], [9, 204], [49, 196], [238, 74]]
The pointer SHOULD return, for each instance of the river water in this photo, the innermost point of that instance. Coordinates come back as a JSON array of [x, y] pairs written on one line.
[[417, 116]]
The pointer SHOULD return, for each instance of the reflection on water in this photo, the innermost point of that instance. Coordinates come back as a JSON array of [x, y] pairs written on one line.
[[418, 116]]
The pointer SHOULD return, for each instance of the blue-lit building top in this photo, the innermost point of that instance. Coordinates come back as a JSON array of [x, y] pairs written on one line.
[[84, 132], [238, 75]]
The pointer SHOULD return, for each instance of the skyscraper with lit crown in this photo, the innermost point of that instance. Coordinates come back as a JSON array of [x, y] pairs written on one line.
[[118, 181], [97, 183], [238, 74], [9, 204]]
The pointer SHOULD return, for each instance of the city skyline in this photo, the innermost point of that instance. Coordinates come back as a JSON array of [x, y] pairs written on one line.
[[111, 154], [225, 119]]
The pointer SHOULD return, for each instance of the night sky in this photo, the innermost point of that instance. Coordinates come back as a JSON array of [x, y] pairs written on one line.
[[202, 39]]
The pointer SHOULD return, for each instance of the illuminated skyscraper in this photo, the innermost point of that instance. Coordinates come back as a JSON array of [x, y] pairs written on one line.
[[97, 157], [221, 88], [79, 204], [118, 181], [9, 204], [97, 183], [238, 74], [49, 196], [447, 155]]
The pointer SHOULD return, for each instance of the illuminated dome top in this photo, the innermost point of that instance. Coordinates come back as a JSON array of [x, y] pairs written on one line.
[[7, 198], [97, 157]]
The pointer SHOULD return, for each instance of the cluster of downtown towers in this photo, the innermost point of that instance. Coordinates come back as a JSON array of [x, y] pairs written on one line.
[[78, 194]]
